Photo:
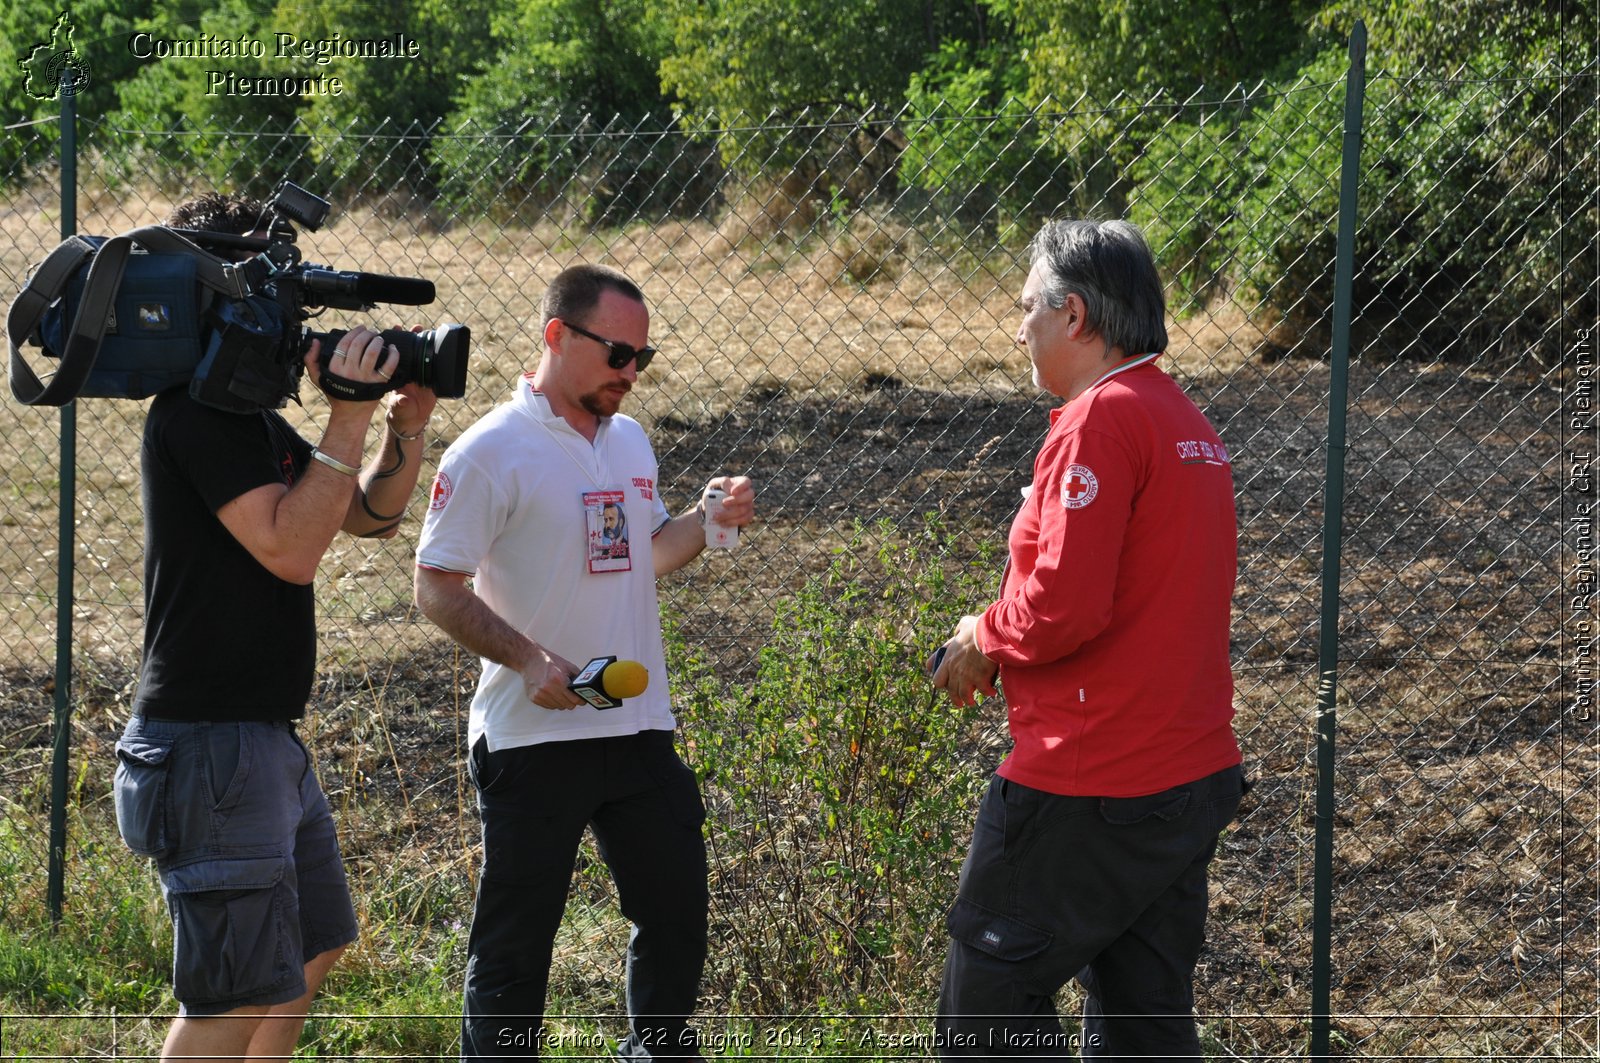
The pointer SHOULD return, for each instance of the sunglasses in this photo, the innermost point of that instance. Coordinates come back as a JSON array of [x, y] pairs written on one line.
[[621, 353]]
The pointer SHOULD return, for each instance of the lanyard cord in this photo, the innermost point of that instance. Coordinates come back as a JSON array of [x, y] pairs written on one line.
[[1143, 359], [573, 457]]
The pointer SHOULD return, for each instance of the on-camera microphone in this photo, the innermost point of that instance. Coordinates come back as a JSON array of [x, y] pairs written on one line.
[[368, 288], [605, 681]]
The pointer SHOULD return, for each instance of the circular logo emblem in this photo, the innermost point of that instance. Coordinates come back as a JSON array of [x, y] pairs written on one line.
[[1078, 487], [57, 68], [441, 492]]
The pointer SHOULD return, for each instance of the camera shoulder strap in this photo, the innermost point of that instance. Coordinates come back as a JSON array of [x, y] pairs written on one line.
[[88, 328], [107, 260], [215, 273]]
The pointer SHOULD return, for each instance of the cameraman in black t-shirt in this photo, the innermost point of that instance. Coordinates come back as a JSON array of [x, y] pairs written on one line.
[[212, 780]]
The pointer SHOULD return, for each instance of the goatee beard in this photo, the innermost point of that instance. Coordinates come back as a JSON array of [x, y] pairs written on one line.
[[594, 404]]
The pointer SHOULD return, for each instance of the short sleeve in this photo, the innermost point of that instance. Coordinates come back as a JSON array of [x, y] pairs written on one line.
[[659, 515], [221, 455], [467, 508]]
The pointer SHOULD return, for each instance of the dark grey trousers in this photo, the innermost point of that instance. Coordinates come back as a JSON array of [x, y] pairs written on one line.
[[1111, 891]]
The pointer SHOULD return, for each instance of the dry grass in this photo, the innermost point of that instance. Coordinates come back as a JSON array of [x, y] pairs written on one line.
[[742, 309], [860, 371]]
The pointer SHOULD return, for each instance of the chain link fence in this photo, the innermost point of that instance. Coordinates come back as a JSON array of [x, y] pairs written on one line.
[[834, 302]]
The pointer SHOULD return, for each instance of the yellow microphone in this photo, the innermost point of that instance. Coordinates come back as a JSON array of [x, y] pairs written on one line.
[[605, 681]]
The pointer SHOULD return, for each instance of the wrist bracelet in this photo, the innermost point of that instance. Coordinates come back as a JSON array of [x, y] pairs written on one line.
[[334, 463], [401, 436]]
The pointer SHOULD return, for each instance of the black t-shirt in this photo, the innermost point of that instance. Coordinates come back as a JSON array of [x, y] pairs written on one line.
[[224, 638]]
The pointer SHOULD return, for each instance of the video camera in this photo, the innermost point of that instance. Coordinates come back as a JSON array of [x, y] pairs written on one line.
[[221, 312]]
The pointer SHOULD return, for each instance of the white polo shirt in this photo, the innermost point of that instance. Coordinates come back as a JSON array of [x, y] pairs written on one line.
[[520, 505]]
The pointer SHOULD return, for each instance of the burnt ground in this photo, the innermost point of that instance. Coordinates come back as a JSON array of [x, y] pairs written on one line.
[[1464, 867]]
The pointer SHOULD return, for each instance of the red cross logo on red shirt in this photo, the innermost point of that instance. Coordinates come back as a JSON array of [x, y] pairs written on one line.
[[1078, 487]]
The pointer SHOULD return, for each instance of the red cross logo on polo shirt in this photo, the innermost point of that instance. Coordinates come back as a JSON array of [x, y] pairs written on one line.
[[441, 492], [1078, 487]]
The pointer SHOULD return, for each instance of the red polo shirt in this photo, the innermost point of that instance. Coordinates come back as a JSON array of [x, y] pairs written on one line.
[[1111, 631]]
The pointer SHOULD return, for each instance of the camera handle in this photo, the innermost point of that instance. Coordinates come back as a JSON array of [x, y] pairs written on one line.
[[49, 282]]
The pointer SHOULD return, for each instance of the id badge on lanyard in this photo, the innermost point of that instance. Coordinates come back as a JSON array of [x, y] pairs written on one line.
[[605, 521]]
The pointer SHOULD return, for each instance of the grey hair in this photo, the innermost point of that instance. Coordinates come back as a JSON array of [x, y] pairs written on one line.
[[1109, 266]]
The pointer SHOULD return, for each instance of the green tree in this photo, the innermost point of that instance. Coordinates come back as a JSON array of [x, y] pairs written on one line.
[[595, 57], [177, 119], [1145, 48], [756, 57], [973, 144], [1442, 36], [570, 108], [736, 62], [100, 30], [1109, 75], [1477, 223], [374, 137]]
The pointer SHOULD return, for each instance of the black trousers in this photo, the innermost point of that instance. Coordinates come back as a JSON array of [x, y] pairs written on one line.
[[1111, 891], [643, 804]]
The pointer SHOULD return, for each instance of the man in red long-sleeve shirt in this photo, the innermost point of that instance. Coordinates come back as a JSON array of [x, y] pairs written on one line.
[[1110, 637]]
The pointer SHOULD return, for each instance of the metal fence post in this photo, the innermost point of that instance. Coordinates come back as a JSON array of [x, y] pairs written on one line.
[[1332, 535], [67, 539]]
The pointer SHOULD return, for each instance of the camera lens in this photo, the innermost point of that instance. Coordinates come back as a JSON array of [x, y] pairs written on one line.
[[434, 358], [443, 360]]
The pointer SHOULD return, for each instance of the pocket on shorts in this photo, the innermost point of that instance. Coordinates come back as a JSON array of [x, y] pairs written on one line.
[[226, 764], [998, 935], [229, 930], [140, 793]]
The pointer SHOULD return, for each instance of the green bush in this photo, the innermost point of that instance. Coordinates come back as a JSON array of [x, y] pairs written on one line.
[[1459, 251], [1470, 192], [571, 116], [99, 31], [840, 785], [984, 156], [171, 124], [514, 160]]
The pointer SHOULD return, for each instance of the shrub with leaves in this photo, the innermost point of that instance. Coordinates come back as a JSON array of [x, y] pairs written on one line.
[[1459, 253], [840, 784]]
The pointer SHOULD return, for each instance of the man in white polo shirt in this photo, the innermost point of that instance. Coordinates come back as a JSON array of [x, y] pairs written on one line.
[[541, 505]]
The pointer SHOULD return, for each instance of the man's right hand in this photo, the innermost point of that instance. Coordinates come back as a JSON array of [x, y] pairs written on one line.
[[965, 672], [359, 357], [445, 598], [545, 677]]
